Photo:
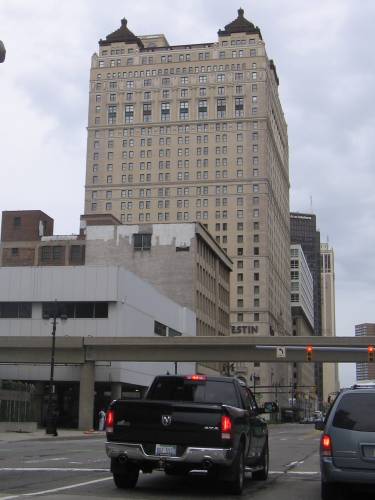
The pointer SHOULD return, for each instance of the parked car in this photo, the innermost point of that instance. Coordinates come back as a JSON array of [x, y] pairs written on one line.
[[307, 420], [189, 423], [347, 445]]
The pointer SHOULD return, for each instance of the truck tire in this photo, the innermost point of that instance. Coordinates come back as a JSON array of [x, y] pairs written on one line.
[[262, 475], [238, 470], [328, 491], [128, 479]]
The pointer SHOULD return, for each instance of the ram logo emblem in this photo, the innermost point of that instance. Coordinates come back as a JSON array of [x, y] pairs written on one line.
[[166, 420]]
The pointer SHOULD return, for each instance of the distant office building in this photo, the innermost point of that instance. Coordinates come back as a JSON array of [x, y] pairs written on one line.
[[97, 301], [331, 382], [302, 307], [365, 371], [27, 239], [182, 260], [196, 132], [106, 299], [303, 232]]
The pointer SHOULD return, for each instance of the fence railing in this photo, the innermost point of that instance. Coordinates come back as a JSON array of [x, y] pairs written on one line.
[[16, 401]]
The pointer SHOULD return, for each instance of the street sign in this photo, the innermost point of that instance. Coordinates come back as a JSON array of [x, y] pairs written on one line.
[[281, 352]]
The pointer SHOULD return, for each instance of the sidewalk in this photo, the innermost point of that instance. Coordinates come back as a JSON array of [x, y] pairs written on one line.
[[40, 434]]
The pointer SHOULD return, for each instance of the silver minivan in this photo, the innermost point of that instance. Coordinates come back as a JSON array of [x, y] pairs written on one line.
[[347, 445]]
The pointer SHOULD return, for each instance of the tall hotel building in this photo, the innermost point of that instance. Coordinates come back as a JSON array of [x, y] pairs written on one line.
[[196, 132]]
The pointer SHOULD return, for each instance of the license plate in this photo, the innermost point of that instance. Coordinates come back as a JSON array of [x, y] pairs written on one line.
[[163, 450], [368, 451]]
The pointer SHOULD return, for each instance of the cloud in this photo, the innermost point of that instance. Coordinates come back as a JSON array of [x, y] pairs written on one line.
[[324, 57]]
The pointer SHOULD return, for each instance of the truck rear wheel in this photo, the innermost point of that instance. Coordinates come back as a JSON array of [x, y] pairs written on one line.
[[238, 467], [262, 475], [128, 479]]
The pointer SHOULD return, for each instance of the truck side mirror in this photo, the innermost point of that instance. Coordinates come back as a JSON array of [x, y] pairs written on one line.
[[269, 407]]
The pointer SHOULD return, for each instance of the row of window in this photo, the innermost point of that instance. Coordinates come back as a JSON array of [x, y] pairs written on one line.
[[167, 141], [165, 216], [184, 80], [256, 317], [165, 331], [256, 303], [181, 129], [167, 152], [183, 111], [202, 56], [224, 43], [164, 72], [186, 191], [166, 177], [14, 310], [166, 94]]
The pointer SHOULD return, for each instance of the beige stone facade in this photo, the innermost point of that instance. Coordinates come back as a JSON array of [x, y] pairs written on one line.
[[197, 133], [331, 384], [181, 260]]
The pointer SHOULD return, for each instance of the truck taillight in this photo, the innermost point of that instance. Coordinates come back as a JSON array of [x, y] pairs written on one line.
[[109, 420], [326, 445], [226, 427]]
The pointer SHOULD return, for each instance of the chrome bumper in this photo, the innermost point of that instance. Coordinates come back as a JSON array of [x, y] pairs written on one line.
[[192, 455]]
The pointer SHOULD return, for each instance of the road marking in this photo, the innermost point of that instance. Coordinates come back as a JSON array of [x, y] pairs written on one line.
[[55, 490], [45, 460], [291, 464], [301, 472], [52, 469], [290, 472]]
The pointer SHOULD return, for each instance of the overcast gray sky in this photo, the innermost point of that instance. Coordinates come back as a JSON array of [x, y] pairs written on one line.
[[323, 51]]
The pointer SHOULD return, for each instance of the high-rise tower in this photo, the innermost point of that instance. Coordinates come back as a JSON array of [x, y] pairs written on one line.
[[196, 132], [331, 384], [303, 232]]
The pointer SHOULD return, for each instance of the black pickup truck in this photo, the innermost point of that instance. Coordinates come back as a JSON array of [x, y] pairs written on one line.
[[188, 423]]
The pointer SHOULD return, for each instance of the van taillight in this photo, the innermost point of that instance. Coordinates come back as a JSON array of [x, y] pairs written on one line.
[[109, 420], [226, 427], [326, 445]]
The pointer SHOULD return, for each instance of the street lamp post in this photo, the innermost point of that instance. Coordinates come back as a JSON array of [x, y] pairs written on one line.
[[51, 420], [51, 427]]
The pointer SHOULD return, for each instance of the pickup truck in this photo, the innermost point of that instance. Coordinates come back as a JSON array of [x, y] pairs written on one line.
[[185, 424]]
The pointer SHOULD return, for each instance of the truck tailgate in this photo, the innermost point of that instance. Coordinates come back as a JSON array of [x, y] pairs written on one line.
[[151, 422]]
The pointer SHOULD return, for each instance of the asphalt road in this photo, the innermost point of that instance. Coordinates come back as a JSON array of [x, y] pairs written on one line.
[[76, 469]]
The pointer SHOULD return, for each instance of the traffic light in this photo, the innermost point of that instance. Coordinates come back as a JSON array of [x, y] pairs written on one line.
[[309, 353], [371, 353]]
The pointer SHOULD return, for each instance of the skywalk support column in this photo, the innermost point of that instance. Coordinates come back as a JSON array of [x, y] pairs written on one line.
[[86, 396]]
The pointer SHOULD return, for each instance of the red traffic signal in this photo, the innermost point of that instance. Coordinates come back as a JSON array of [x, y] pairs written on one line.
[[309, 352], [370, 353]]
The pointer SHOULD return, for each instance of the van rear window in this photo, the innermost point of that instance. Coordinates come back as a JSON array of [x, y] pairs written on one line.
[[356, 411], [179, 389]]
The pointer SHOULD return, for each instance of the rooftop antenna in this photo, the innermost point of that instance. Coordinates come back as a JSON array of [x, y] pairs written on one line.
[[311, 204]]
